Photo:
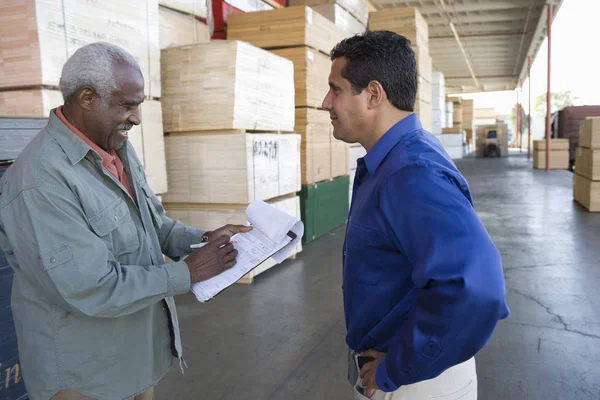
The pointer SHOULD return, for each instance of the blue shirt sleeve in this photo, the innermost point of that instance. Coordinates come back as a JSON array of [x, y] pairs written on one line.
[[457, 272]]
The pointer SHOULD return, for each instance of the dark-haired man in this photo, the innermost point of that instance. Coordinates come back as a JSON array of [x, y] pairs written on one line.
[[423, 283]]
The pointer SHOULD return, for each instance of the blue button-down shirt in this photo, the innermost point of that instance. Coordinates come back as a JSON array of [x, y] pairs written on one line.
[[422, 280]]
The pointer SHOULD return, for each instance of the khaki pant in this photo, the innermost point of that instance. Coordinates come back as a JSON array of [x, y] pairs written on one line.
[[72, 395], [458, 382]]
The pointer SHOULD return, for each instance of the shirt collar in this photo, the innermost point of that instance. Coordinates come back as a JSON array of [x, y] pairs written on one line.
[[73, 142], [389, 140]]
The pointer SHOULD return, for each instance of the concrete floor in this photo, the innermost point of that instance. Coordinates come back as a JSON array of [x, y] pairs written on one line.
[[282, 338]]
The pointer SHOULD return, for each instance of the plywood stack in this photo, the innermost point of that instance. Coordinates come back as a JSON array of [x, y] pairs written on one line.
[[179, 23], [351, 16], [453, 138], [501, 132], [226, 105], [306, 38], [38, 37], [559, 154], [438, 103], [484, 116], [586, 180], [468, 124], [409, 23]]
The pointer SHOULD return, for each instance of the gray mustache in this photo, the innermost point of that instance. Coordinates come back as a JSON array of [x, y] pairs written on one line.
[[125, 127]]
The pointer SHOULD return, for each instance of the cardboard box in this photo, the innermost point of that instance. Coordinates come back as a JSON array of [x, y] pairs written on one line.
[[587, 163], [589, 133], [559, 159], [586, 193]]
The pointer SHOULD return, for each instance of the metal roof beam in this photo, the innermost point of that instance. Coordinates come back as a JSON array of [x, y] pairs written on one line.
[[462, 7]]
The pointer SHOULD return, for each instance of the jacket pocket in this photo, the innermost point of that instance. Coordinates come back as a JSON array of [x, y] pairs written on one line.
[[149, 196], [363, 259], [58, 262], [115, 226]]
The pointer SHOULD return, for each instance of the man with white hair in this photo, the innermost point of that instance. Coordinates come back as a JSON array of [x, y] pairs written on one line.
[[92, 296]]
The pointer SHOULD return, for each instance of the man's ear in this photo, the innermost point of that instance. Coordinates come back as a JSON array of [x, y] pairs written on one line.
[[85, 98], [376, 94]]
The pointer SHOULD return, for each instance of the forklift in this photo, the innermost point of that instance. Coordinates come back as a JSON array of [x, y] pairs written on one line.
[[492, 144]]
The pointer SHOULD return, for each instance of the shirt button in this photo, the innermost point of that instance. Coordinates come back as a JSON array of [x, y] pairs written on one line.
[[53, 260], [116, 218]]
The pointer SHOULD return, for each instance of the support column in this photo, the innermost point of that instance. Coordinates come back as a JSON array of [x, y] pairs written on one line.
[[517, 120], [549, 94], [529, 113], [521, 117]]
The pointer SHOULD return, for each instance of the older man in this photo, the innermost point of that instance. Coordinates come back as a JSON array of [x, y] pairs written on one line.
[[92, 295]]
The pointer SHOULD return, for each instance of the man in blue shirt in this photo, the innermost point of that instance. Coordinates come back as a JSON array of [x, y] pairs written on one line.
[[423, 284]]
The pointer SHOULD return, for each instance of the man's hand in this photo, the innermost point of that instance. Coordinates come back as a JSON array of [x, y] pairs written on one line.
[[368, 373], [228, 230], [212, 259]]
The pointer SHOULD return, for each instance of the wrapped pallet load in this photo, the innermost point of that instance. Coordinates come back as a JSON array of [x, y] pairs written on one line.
[[586, 180]]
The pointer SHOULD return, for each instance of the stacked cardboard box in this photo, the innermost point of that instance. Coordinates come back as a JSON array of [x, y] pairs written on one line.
[[409, 23], [39, 36], [586, 180], [438, 103], [559, 154], [225, 106]]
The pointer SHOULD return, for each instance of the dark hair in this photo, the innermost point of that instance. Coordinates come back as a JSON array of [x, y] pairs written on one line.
[[381, 56]]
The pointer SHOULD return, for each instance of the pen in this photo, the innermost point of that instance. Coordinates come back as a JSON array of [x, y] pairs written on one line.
[[199, 245]]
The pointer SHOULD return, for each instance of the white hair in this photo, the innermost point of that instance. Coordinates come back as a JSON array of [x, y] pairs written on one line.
[[92, 66]]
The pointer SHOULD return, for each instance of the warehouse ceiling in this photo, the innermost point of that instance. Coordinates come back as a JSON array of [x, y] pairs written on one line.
[[496, 35]]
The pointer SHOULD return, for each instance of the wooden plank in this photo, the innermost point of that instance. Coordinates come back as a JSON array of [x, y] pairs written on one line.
[[285, 27], [226, 85], [315, 129], [356, 8], [341, 18], [405, 21], [38, 36], [586, 193], [311, 75], [231, 168], [16, 133], [29, 103], [178, 29]]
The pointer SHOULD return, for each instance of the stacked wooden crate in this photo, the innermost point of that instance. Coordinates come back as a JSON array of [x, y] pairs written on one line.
[[39, 36], [306, 38], [586, 180], [559, 154], [438, 103], [351, 16], [225, 106], [409, 23]]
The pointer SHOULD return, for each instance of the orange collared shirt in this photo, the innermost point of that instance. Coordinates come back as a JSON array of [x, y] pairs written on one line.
[[110, 161]]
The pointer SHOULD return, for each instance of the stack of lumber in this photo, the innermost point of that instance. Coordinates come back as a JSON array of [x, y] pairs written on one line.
[[179, 23], [457, 115], [453, 137], [356, 152], [484, 116], [229, 117], [559, 154], [453, 143], [448, 121], [351, 16], [39, 36], [438, 103], [586, 180], [501, 131], [409, 23], [306, 38], [468, 124], [16, 133]]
